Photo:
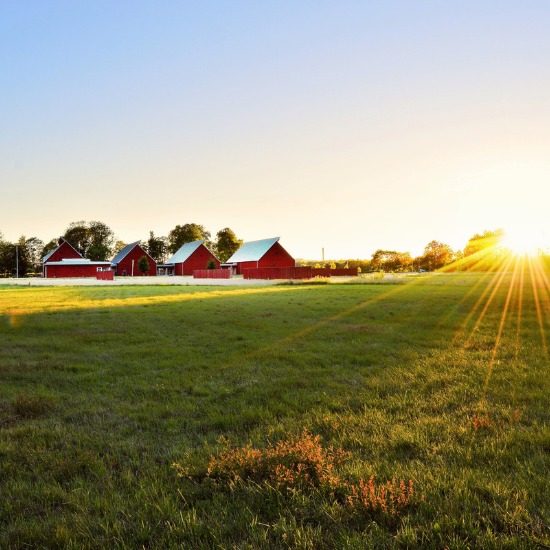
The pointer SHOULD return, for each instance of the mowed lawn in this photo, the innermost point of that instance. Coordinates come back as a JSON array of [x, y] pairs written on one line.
[[103, 390]]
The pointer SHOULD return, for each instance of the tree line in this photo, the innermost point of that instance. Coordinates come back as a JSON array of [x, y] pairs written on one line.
[[482, 252], [96, 241]]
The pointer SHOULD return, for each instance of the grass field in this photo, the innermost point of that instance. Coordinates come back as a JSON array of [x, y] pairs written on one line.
[[103, 390]]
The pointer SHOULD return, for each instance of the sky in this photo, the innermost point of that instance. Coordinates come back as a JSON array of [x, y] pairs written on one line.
[[342, 125]]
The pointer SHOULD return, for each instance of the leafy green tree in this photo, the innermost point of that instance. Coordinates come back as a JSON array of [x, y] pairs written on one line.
[[34, 250], [157, 247], [226, 244], [78, 236], [143, 265], [14, 256], [102, 239], [188, 233], [48, 247], [94, 240], [211, 264]]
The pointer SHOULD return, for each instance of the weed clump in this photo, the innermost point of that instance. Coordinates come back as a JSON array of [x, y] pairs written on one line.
[[485, 422], [386, 498], [300, 462], [297, 461], [28, 406]]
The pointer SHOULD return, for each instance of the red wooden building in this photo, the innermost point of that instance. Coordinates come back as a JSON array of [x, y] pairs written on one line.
[[191, 257], [264, 253], [65, 261], [125, 263]]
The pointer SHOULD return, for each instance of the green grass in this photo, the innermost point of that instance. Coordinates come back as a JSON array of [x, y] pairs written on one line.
[[102, 390]]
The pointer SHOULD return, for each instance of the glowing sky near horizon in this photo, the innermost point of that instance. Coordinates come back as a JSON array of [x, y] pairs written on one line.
[[345, 125]]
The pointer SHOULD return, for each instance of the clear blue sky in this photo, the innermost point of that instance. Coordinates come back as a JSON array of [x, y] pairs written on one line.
[[345, 125]]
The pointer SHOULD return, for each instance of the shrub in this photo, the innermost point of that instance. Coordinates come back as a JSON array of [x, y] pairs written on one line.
[[30, 406], [143, 265], [297, 461], [386, 498], [211, 264]]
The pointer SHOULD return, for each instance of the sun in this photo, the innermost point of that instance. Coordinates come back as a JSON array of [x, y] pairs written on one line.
[[524, 241]]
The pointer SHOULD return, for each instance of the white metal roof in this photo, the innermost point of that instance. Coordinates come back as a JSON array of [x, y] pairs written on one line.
[[252, 251], [184, 252]]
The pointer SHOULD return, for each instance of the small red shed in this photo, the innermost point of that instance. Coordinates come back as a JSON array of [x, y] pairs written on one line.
[[264, 253], [190, 257], [74, 267], [125, 263]]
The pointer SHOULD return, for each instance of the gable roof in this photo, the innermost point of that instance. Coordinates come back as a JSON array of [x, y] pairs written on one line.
[[252, 251], [185, 251], [45, 258], [124, 252]]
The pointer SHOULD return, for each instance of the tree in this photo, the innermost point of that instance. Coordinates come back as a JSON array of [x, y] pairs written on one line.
[[143, 265], [78, 236], [438, 254], [390, 260], [226, 244], [480, 242], [52, 245], [211, 264], [34, 251], [118, 246], [94, 240], [14, 257], [188, 233], [156, 247], [101, 238]]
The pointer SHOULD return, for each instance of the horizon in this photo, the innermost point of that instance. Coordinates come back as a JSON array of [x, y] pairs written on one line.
[[345, 127]]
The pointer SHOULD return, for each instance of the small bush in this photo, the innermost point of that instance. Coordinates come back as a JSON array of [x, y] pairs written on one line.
[[211, 264], [143, 265], [30, 406], [386, 498], [298, 461]]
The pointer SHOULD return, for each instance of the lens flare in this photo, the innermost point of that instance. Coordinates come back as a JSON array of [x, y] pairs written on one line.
[[524, 242]]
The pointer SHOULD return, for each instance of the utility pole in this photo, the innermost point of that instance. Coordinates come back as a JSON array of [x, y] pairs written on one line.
[[323, 254], [17, 261], [132, 268]]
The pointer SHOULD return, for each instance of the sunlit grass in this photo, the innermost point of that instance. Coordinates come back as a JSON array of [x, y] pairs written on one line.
[[439, 379]]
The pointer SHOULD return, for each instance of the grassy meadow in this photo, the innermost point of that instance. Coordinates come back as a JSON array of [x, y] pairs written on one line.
[[174, 417]]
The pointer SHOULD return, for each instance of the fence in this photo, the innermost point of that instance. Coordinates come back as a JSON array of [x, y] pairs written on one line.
[[105, 275], [212, 274], [327, 272], [277, 273]]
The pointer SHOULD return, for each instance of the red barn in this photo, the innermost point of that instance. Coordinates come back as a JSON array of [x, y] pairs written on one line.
[[264, 253], [190, 257], [125, 263], [65, 261]]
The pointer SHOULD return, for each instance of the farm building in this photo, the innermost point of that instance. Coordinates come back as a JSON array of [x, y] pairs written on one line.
[[65, 261], [264, 253], [190, 257], [125, 263]]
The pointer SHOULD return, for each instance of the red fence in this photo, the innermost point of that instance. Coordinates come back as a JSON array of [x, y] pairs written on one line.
[[212, 274], [327, 272], [277, 273], [105, 275]]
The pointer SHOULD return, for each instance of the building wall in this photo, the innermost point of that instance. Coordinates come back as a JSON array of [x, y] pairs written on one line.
[[276, 256], [62, 271], [64, 251], [196, 261], [135, 254]]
